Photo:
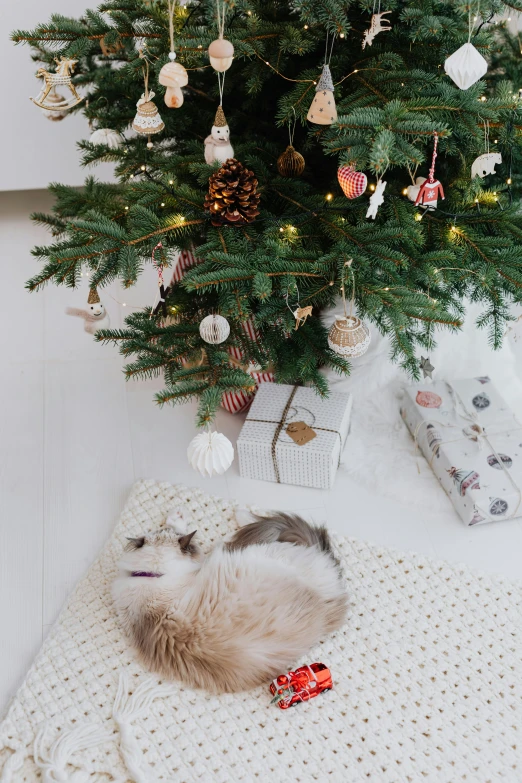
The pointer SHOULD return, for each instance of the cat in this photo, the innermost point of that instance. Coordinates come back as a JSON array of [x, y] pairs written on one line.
[[237, 617]]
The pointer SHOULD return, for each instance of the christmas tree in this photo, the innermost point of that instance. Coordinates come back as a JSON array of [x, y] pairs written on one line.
[[270, 238]]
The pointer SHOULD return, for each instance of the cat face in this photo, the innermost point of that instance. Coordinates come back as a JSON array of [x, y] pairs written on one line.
[[221, 133], [158, 552]]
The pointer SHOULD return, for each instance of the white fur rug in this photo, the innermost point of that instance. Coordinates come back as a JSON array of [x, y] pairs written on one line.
[[426, 674], [379, 452]]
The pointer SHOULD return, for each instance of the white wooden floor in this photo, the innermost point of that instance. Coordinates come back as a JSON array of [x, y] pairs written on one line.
[[74, 437]]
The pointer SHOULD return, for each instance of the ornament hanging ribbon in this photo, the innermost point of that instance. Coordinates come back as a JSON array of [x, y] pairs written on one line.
[[475, 433], [281, 423]]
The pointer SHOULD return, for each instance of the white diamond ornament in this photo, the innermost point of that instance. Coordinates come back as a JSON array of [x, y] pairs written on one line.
[[211, 453], [466, 66]]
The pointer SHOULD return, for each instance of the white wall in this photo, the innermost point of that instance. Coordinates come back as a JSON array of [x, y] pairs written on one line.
[[36, 151]]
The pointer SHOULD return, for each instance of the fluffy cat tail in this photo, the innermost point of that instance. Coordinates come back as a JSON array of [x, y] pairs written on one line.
[[287, 528]]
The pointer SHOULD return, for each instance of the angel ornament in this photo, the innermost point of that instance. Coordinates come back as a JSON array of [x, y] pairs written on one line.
[[376, 199], [217, 145], [63, 78], [377, 25], [95, 316]]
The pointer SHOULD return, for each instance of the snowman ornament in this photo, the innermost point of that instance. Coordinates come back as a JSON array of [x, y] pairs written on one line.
[[95, 316], [217, 146]]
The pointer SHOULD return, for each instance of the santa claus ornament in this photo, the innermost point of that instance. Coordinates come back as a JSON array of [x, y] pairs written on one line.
[[217, 145], [431, 190], [352, 182]]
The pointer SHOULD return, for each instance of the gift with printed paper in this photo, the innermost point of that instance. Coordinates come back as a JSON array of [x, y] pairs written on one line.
[[473, 443], [293, 436]]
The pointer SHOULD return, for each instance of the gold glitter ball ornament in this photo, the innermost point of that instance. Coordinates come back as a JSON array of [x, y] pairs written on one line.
[[290, 163], [349, 336]]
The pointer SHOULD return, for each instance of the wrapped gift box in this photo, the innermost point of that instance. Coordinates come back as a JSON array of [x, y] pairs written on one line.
[[266, 449], [473, 443]]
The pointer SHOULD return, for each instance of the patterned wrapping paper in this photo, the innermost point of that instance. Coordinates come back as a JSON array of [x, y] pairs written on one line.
[[311, 465], [473, 443]]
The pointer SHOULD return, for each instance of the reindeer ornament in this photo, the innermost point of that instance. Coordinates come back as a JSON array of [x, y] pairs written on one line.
[[377, 25], [63, 78]]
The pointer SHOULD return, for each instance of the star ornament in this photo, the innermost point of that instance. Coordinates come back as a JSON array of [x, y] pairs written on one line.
[[426, 366]]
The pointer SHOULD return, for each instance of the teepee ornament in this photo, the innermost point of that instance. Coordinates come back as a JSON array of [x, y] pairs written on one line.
[[431, 190], [323, 110], [349, 336], [466, 66]]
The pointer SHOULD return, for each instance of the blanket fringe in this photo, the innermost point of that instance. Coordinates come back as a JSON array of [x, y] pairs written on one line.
[[13, 764], [55, 761], [127, 707]]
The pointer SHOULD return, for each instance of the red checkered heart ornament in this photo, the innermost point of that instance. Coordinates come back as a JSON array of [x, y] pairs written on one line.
[[352, 182]]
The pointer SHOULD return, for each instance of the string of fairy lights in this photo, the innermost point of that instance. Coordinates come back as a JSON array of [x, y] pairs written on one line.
[[290, 231]]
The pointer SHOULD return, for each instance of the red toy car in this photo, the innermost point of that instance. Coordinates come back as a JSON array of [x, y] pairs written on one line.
[[301, 685]]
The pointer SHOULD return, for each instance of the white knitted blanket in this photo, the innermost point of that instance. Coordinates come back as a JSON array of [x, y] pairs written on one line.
[[427, 683]]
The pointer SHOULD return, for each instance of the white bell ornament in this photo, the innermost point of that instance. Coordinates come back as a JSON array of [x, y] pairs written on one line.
[[211, 453]]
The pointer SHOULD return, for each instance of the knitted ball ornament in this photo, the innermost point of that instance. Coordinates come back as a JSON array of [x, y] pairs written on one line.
[[352, 182]]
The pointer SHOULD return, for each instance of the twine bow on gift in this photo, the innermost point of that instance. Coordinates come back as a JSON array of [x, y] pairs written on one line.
[[281, 423], [473, 432]]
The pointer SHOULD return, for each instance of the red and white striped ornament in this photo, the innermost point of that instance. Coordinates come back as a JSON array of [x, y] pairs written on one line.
[[352, 182], [239, 401], [186, 260]]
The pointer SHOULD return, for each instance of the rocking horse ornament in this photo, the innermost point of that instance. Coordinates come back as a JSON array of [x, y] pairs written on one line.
[[63, 78]]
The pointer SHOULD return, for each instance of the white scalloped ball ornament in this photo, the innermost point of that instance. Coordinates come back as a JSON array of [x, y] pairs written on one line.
[[107, 136], [211, 453], [466, 66], [214, 329]]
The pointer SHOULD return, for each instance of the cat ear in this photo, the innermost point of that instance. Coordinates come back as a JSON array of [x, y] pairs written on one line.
[[185, 542], [135, 543]]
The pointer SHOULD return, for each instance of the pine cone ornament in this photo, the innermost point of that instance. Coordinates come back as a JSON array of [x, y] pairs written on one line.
[[232, 194]]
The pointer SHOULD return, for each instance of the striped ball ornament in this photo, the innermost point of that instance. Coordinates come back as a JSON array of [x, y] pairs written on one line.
[[352, 182], [290, 163]]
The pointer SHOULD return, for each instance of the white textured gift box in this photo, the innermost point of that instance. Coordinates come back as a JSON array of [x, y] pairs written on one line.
[[262, 455], [473, 443]]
